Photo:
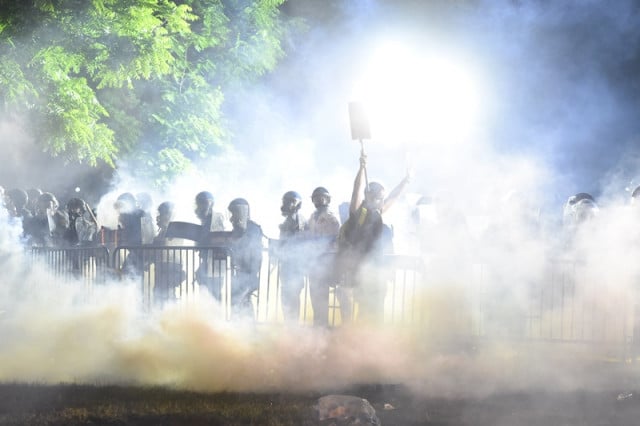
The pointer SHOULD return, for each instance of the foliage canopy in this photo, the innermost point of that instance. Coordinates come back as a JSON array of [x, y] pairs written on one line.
[[142, 80]]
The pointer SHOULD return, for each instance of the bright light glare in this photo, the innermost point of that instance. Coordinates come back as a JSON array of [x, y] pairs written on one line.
[[418, 96]]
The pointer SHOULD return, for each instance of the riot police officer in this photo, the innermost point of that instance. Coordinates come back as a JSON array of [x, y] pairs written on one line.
[[322, 229], [291, 254], [83, 225], [207, 274], [210, 220], [246, 256]]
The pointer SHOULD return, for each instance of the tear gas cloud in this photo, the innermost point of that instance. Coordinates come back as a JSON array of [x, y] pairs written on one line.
[[557, 122]]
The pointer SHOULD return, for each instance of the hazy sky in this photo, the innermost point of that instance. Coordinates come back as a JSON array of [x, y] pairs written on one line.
[[559, 80]]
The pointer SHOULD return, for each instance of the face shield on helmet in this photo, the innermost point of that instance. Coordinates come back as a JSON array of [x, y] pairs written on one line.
[[579, 208], [239, 209], [165, 214], [204, 204], [320, 197], [75, 207], [126, 203], [584, 210], [15, 200], [291, 203], [47, 204]]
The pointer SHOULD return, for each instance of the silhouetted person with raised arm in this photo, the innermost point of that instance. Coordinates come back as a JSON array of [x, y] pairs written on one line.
[[363, 240]]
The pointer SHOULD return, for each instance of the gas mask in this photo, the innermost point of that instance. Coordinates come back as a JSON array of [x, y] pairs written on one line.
[[291, 203], [239, 216]]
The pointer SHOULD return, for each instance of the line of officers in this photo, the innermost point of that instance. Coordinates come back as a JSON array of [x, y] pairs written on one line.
[[47, 224], [350, 257], [318, 249], [305, 249]]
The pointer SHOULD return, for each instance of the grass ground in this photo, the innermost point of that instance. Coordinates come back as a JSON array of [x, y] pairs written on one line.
[[116, 405]]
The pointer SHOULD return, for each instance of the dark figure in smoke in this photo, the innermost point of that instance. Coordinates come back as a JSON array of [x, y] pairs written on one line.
[[15, 200], [322, 229], [164, 217], [83, 226], [363, 241], [48, 226], [145, 203], [130, 231], [578, 211], [32, 199], [207, 274], [82, 230], [291, 255], [246, 256], [211, 221], [168, 270]]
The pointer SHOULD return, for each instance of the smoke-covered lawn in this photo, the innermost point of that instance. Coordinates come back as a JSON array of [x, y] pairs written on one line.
[[86, 404], [34, 404]]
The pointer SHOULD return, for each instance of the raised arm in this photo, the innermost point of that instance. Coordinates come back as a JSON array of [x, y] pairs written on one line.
[[358, 186], [397, 191]]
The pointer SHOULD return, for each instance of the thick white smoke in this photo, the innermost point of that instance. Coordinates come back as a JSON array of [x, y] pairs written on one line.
[[489, 235]]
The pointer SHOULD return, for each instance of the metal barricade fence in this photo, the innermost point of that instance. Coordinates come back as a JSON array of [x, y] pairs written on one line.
[[90, 265], [176, 273], [564, 304], [169, 274]]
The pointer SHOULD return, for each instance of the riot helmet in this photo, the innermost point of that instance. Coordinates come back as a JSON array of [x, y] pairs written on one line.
[[76, 207], [204, 196], [165, 214], [126, 203], [33, 194], [204, 204], [320, 197], [47, 202], [291, 203], [16, 200], [240, 213], [145, 201], [579, 208], [585, 209], [574, 199]]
